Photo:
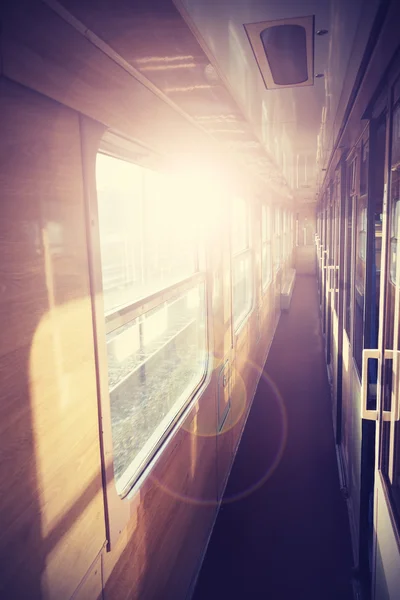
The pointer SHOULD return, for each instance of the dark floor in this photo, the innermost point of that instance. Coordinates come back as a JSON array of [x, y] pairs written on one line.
[[288, 539]]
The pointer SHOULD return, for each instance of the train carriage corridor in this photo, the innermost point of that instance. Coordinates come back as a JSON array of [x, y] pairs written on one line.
[[289, 537], [200, 300]]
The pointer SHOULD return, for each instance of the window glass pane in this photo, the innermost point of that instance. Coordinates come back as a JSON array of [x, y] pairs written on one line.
[[393, 337], [149, 239], [364, 167], [263, 223], [396, 139], [283, 235], [395, 193], [353, 176], [362, 245], [242, 288], [394, 224], [240, 225], [138, 210], [120, 203], [266, 255], [154, 364], [266, 264], [169, 235], [362, 235], [359, 283], [393, 262], [277, 221], [277, 240], [348, 263], [377, 203]]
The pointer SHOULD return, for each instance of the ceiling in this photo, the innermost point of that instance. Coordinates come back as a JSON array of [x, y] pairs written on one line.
[[297, 126], [195, 56]]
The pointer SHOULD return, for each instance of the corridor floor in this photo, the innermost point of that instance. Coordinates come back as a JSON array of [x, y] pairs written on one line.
[[288, 538]]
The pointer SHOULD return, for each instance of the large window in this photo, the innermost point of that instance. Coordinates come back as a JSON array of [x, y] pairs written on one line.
[[362, 234], [348, 271], [286, 234], [364, 167], [266, 254], [154, 301], [359, 281], [277, 240], [395, 192], [392, 334], [242, 282]]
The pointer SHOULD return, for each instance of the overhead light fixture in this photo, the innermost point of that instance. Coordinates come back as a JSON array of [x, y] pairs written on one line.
[[322, 31], [284, 51]]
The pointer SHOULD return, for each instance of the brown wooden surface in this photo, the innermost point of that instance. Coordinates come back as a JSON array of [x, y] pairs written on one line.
[[51, 500], [94, 72], [91, 588], [175, 509], [51, 506], [45, 53]]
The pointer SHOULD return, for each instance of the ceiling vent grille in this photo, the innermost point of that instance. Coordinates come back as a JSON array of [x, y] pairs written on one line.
[[284, 51]]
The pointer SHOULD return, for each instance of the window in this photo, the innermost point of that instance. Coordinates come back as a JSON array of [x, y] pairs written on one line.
[[154, 301], [266, 254], [242, 284], [360, 280], [286, 235], [364, 167], [351, 182], [391, 435], [393, 240], [362, 234], [395, 192], [277, 240]]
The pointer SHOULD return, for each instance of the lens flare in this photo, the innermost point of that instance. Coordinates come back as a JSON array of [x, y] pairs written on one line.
[[198, 428]]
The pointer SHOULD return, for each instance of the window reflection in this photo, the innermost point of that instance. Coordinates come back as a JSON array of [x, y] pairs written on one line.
[[242, 283], [154, 364], [149, 241], [138, 211], [266, 254]]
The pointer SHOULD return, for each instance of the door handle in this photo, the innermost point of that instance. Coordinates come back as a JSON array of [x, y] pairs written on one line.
[[395, 410], [372, 414]]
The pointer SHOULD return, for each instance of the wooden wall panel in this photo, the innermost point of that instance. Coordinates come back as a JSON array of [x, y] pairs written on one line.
[[160, 550], [91, 588], [51, 503]]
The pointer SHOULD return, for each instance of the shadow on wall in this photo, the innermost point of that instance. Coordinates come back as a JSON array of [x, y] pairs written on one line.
[[50, 465]]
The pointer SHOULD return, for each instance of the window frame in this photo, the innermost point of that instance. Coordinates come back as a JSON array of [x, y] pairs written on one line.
[[349, 245], [129, 313], [266, 243], [248, 250], [395, 206], [362, 234], [118, 507], [277, 256]]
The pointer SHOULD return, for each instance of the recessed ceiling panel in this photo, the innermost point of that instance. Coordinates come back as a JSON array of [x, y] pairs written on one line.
[[284, 51]]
